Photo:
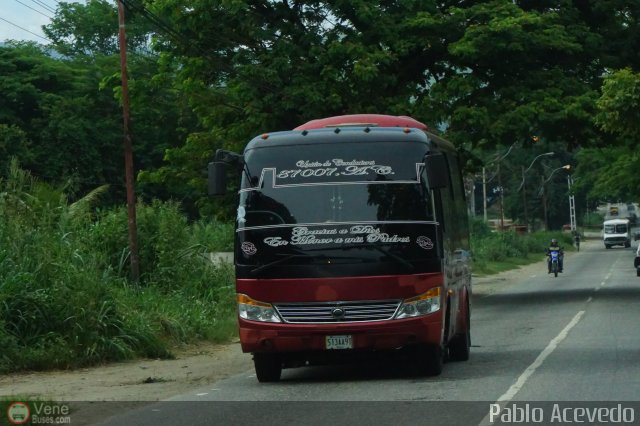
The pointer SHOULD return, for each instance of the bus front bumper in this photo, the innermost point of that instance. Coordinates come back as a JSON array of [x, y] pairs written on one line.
[[382, 335]]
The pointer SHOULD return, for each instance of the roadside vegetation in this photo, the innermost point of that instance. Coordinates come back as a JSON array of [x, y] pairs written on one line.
[[495, 252], [65, 297]]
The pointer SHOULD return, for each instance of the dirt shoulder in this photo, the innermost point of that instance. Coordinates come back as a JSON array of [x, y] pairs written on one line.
[[89, 391], [137, 380], [486, 285]]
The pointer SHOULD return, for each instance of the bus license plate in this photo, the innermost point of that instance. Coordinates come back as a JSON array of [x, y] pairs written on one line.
[[339, 342]]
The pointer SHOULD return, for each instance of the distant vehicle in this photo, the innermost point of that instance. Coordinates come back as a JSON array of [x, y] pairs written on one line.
[[632, 214], [613, 211], [616, 232]]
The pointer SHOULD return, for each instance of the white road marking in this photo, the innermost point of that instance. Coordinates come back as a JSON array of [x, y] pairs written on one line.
[[528, 372], [202, 394]]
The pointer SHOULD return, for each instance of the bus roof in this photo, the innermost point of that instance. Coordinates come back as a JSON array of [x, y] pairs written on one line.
[[615, 221], [363, 120]]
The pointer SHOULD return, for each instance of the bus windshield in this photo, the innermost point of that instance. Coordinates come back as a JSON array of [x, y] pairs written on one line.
[[615, 229], [378, 183], [335, 203]]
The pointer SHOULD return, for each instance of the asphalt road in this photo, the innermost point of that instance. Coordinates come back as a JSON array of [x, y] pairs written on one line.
[[572, 339]]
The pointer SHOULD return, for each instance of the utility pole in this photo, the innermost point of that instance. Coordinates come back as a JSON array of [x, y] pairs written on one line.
[[524, 187], [572, 205], [484, 193], [544, 203], [128, 150], [524, 200], [501, 199]]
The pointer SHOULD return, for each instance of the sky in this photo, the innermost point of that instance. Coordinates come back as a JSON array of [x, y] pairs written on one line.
[[30, 15]]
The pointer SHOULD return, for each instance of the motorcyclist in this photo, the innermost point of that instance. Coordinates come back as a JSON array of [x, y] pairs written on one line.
[[576, 239], [554, 246]]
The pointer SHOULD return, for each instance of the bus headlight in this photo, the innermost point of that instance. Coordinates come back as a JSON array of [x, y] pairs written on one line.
[[423, 304], [253, 310]]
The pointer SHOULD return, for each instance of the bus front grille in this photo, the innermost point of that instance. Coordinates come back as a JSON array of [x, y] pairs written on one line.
[[337, 312]]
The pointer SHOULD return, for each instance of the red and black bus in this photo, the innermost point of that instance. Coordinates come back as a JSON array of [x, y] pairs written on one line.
[[351, 237]]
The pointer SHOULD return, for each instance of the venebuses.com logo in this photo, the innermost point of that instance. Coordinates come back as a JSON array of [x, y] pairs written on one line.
[[38, 412], [18, 413]]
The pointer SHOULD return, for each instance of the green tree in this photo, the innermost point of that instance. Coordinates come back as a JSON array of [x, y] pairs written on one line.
[[91, 28], [610, 171], [14, 143], [68, 122], [216, 73], [489, 73]]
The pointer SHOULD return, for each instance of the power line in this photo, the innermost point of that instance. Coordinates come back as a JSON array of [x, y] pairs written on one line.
[[35, 10], [44, 5], [137, 6], [24, 29]]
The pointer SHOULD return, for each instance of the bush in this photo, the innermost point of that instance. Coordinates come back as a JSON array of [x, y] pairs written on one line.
[[170, 249], [65, 300], [495, 247]]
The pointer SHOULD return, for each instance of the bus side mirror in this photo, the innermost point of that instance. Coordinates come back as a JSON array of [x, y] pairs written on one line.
[[217, 178], [437, 171], [217, 170]]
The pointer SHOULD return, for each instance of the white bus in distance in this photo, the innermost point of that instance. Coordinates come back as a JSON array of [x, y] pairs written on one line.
[[616, 232]]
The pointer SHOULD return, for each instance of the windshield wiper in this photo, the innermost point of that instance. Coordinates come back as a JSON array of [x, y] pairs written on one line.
[[382, 250], [277, 262], [288, 257]]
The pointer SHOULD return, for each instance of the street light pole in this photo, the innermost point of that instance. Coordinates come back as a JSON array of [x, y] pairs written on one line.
[[501, 199], [572, 205], [544, 192], [524, 200], [484, 185], [524, 189], [544, 203], [484, 193]]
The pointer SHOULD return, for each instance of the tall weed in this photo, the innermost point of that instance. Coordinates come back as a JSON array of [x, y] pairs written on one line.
[[64, 297], [495, 247]]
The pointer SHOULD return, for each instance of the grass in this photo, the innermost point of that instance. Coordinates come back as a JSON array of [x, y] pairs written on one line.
[[490, 268], [65, 297], [495, 252]]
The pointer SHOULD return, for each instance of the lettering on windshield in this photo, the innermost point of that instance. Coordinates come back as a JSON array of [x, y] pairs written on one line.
[[334, 167], [302, 235]]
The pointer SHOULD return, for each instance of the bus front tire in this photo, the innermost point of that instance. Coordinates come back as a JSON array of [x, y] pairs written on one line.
[[460, 345], [430, 360], [268, 367]]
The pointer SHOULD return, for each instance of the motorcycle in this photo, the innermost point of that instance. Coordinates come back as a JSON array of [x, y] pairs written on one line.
[[554, 262]]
